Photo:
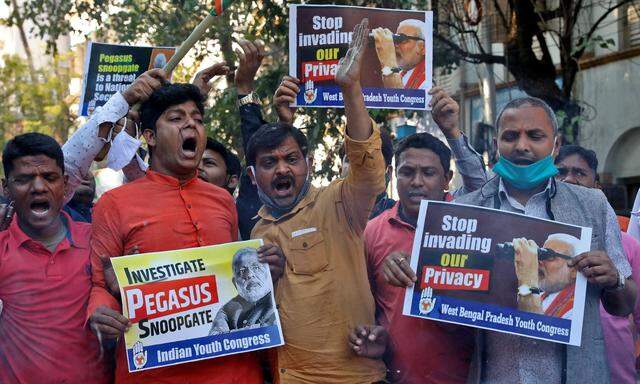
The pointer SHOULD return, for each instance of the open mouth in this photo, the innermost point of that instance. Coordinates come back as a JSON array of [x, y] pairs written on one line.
[[189, 146], [523, 161], [283, 186], [40, 208]]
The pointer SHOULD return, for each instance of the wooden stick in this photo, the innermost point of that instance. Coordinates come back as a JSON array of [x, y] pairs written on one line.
[[193, 38]]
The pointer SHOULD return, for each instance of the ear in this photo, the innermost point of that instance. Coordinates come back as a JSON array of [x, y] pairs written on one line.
[[556, 147], [422, 48], [233, 181], [310, 162], [251, 172], [150, 137], [5, 189], [233, 280], [447, 180], [65, 181]]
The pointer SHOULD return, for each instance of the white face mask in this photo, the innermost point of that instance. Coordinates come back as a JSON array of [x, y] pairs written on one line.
[[123, 149]]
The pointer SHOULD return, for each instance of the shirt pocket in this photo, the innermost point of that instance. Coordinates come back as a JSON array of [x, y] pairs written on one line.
[[307, 254]]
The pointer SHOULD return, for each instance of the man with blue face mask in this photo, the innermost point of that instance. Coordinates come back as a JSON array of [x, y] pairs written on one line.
[[526, 139]]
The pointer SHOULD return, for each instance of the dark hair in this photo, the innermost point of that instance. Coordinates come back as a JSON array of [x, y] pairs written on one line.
[[270, 136], [31, 144], [587, 155], [234, 167], [386, 147], [231, 161], [426, 141], [167, 96]]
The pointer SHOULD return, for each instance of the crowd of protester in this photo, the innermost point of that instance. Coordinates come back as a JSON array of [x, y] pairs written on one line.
[[338, 255]]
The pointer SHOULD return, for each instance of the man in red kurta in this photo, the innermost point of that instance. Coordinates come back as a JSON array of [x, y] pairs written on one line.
[[168, 209]]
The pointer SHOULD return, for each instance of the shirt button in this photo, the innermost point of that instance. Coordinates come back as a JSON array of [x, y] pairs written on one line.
[[283, 370], [304, 245], [188, 206]]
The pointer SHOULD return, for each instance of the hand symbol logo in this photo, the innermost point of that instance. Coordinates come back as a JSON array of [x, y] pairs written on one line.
[[310, 93], [427, 302], [139, 355]]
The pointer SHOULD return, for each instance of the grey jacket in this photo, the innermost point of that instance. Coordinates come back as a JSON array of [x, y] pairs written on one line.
[[586, 207]]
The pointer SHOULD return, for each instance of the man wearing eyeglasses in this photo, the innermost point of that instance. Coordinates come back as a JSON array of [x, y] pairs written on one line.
[[402, 55]]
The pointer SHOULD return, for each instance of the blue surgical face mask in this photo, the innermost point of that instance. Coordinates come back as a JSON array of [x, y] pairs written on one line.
[[526, 176]]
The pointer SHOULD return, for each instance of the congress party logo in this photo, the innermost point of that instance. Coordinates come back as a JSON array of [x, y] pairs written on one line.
[[427, 301]]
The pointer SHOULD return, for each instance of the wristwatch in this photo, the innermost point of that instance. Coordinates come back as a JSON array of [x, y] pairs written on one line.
[[525, 290], [251, 98], [387, 71]]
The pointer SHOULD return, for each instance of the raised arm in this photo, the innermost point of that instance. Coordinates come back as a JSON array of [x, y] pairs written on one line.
[[92, 140], [446, 114], [362, 142]]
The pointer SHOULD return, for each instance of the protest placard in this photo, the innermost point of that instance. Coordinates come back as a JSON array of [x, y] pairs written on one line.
[[498, 270], [397, 69], [111, 68], [198, 303]]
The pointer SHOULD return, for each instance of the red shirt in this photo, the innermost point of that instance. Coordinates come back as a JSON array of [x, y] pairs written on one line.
[[45, 296], [420, 351], [156, 213]]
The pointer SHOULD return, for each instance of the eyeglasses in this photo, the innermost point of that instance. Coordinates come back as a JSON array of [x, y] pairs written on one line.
[[399, 38]]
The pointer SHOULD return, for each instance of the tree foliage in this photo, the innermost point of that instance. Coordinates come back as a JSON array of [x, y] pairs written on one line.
[[572, 25], [35, 101]]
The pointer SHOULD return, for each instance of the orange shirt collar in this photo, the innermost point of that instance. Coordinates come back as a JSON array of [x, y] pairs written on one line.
[[171, 181]]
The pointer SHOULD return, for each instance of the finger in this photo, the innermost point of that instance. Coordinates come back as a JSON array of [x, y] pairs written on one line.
[[291, 86], [406, 268], [435, 90], [598, 270], [265, 248], [291, 78], [216, 70], [107, 320], [241, 57], [157, 73], [392, 279], [252, 51], [105, 311], [271, 260], [396, 272], [107, 331], [353, 337], [577, 259], [439, 106], [583, 263], [285, 91], [376, 333], [435, 98], [261, 48]]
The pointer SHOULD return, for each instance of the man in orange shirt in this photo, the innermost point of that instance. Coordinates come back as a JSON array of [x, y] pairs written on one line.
[[324, 291], [169, 208]]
